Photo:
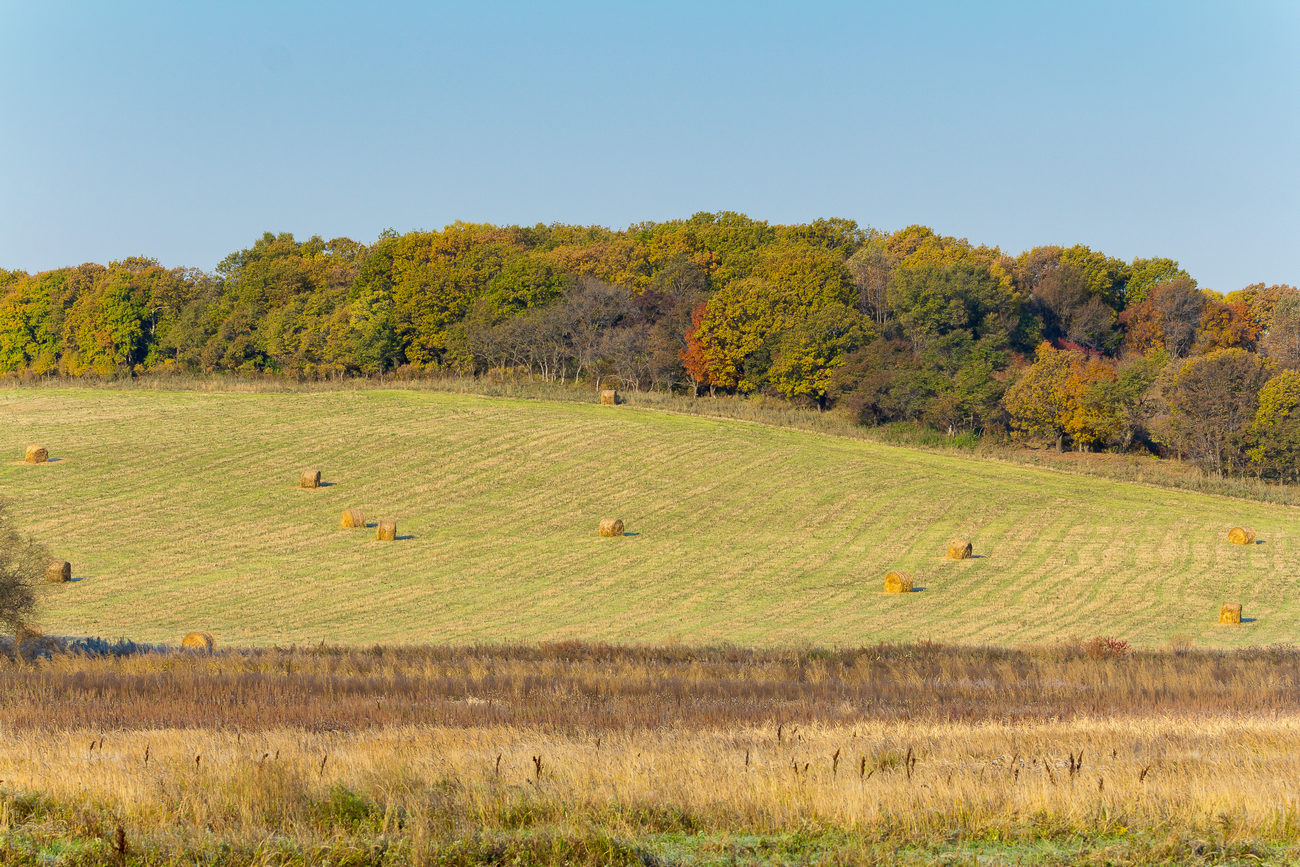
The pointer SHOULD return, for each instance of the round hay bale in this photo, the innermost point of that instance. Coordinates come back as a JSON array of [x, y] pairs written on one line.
[[1230, 612], [387, 531], [608, 397], [58, 572], [898, 582], [352, 519], [199, 641], [1241, 536], [611, 527], [960, 549], [36, 455], [310, 479]]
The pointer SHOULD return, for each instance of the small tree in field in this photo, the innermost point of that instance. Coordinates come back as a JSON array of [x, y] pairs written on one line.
[[23, 561]]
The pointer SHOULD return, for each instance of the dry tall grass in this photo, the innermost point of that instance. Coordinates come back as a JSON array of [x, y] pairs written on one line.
[[590, 687], [413, 754]]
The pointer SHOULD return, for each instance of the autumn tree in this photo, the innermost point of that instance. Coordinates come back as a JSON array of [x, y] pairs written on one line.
[[1038, 401], [1072, 308], [1281, 340], [1274, 435], [1092, 417], [1168, 318], [872, 269], [1224, 325], [1212, 400]]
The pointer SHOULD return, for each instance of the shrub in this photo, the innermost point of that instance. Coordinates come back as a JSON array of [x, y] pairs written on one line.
[[1106, 647]]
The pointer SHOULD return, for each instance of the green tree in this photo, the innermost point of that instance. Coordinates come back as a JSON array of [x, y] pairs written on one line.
[[1105, 277], [931, 302], [812, 348], [1143, 274], [1275, 433], [23, 561]]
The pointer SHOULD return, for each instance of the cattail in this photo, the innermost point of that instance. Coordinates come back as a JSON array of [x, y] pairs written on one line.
[[835, 763]]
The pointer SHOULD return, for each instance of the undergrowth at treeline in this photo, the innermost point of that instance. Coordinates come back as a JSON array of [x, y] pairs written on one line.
[[573, 753]]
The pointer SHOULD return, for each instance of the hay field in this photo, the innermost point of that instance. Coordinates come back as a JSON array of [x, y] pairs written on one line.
[[182, 511]]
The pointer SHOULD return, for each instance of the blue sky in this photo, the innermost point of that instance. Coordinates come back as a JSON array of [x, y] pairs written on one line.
[[183, 131]]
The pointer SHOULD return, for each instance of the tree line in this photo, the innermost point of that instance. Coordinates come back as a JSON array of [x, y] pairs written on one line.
[[1060, 345]]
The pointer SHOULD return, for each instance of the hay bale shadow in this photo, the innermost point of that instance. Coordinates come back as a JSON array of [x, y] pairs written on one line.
[[403, 538], [327, 484], [1249, 619], [631, 534]]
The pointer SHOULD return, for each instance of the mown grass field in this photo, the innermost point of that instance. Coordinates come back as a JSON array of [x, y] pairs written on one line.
[[180, 510]]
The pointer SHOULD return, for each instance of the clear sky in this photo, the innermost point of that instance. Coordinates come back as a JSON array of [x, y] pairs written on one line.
[[184, 130]]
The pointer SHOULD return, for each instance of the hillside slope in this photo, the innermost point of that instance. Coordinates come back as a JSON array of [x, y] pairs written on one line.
[[180, 510]]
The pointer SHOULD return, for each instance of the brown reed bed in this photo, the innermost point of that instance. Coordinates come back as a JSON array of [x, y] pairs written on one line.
[[575, 687]]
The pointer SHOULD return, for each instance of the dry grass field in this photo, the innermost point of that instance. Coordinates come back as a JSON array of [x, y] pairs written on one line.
[[581, 754], [180, 510]]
